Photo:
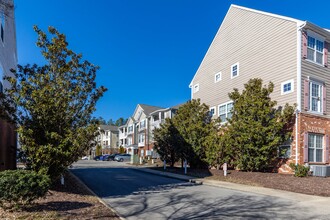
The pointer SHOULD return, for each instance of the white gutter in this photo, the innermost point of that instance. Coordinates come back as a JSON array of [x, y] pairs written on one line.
[[300, 26]]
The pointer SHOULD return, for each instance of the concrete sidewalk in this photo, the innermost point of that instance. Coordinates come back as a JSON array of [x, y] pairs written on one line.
[[302, 198]]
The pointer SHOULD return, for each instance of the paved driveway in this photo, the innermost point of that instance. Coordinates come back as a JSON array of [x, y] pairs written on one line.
[[138, 195]]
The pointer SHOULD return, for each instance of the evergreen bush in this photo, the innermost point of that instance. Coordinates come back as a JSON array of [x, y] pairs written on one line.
[[19, 187], [299, 170]]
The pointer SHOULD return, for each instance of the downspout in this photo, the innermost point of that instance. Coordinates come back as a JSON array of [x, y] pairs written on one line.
[[299, 78]]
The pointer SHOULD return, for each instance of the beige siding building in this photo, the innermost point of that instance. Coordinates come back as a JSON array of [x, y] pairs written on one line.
[[108, 139], [137, 134], [291, 53], [8, 60]]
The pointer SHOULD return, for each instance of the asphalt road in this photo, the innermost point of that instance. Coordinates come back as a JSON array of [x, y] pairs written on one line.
[[138, 195]]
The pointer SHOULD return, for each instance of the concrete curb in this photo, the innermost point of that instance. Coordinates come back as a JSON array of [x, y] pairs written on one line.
[[171, 175], [236, 186], [91, 191]]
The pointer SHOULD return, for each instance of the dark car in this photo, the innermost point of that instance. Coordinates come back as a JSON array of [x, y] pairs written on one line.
[[97, 157], [111, 157], [123, 157], [104, 157]]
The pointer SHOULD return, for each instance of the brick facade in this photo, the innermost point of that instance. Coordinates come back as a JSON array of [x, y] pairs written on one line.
[[307, 123]]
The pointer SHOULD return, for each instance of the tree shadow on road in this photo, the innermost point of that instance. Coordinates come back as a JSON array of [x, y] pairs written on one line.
[[184, 205], [117, 182]]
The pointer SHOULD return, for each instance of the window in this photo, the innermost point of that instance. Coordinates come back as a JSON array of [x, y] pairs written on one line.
[[234, 70], [284, 151], [287, 87], [315, 47], [217, 77], [315, 147], [129, 141], [142, 124], [196, 88], [315, 96], [141, 138], [225, 111], [130, 129], [212, 111]]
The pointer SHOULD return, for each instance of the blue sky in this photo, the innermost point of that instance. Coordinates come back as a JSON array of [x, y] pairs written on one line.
[[148, 50]]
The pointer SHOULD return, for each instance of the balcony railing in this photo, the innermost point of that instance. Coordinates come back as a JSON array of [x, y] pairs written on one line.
[[156, 124]]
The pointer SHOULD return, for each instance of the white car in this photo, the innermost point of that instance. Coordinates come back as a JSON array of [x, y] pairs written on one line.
[[85, 158]]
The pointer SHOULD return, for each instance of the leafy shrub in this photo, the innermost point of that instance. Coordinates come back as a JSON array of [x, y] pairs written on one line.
[[19, 187], [299, 170]]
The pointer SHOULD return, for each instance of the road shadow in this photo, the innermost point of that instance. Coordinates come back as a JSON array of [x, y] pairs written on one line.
[[118, 182], [183, 206]]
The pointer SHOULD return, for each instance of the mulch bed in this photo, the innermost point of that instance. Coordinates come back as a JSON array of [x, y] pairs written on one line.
[[319, 186], [72, 201]]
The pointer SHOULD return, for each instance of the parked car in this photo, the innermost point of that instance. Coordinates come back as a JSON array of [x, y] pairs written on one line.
[[104, 157], [111, 157], [97, 157], [123, 157], [85, 158]]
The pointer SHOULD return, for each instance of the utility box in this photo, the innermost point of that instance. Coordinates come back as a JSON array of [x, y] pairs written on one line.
[[320, 170]]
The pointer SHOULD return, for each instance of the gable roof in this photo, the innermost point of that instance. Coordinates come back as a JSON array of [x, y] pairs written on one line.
[[266, 13], [298, 22], [149, 108], [109, 127]]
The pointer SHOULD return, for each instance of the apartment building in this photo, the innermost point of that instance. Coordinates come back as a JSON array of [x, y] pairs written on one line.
[[137, 134], [108, 139], [291, 53], [8, 60]]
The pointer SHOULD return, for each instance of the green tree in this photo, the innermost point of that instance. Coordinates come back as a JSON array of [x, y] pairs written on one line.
[[168, 142], [110, 122], [54, 105], [217, 151], [122, 150], [120, 121], [194, 123], [101, 120], [257, 126], [98, 150]]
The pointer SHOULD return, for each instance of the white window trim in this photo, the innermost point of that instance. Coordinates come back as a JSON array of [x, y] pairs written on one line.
[[214, 108], [314, 147], [231, 70], [196, 88], [215, 77], [317, 37], [226, 103], [286, 82], [321, 96]]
